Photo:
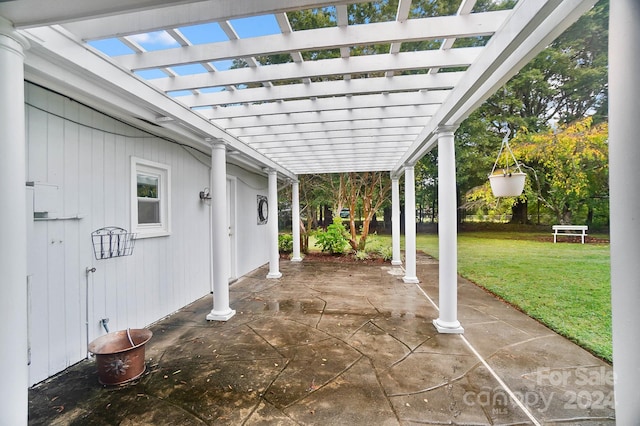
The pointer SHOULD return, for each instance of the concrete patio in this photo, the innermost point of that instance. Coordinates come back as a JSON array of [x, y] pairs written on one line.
[[342, 343]]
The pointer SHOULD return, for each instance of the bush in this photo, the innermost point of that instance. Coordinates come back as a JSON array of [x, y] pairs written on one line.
[[376, 247], [285, 243], [335, 239], [386, 253], [362, 255]]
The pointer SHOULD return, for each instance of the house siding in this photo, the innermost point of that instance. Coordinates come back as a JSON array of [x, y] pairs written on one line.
[[79, 162]]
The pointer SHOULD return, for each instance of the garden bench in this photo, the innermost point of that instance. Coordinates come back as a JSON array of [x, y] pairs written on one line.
[[573, 230]]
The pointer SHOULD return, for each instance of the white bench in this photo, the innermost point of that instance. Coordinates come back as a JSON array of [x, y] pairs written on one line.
[[573, 230]]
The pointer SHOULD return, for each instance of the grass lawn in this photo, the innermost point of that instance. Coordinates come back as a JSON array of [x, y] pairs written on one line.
[[565, 285]]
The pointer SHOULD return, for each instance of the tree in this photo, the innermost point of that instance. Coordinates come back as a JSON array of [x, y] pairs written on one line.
[[372, 188], [313, 194], [571, 166], [426, 178], [567, 172], [564, 83]]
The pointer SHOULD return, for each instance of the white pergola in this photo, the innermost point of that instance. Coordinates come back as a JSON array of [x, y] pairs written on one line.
[[351, 113], [355, 112]]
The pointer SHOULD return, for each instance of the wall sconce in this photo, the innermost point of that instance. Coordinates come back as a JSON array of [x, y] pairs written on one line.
[[205, 194]]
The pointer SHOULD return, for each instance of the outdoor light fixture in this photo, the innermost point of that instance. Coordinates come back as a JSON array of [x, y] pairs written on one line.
[[205, 194]]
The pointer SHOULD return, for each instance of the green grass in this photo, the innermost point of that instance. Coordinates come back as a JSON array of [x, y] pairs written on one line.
[[565, 286]]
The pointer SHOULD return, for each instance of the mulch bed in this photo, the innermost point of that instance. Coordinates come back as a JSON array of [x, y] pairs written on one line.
[[336, 258]]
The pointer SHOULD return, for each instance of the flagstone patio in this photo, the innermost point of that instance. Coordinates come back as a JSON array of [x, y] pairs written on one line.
[[342, 343]]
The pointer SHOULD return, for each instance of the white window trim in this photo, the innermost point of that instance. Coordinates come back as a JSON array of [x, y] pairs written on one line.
[[163, 171]]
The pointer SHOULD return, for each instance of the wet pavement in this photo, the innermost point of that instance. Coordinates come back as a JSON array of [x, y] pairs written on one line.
[[342, 344]]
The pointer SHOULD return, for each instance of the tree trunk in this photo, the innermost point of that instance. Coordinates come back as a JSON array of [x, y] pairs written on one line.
[[519, 212], [387, 218], [304, 238], [328, 215], [352, 224]]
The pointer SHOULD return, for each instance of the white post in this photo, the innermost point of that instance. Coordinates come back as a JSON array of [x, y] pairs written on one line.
[[220, 234], [14, 407], [624, 156], [447, 321], [395, 221], [410, 275], [272, 223], [295, 221]]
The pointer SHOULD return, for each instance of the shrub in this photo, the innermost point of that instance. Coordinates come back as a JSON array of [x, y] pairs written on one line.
[[386, 253], [285, 243], [373, 243], [335, 239], [376, 247], [362, 255]]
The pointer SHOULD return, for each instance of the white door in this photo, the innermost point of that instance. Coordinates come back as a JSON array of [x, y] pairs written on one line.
[[54, 287]]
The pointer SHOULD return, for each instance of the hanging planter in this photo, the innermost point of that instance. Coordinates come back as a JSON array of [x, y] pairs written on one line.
[[507, 181]]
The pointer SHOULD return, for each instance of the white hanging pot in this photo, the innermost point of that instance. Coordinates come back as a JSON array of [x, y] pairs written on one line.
[[508, 181], [507, 184]]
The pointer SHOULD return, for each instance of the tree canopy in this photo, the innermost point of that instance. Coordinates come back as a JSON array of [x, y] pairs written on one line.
[[563, 84]]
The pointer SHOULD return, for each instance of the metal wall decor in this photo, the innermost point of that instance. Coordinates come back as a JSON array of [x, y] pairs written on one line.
[[263, 210]]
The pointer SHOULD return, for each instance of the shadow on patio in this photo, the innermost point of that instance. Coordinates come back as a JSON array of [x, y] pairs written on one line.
[[335, 343]]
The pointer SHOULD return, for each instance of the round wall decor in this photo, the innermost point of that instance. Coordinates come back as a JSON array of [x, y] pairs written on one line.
[[263, 210]]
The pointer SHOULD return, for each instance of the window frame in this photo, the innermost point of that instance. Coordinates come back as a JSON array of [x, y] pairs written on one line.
[[163, 173]]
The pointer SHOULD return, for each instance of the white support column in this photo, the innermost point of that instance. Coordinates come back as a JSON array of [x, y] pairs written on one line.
[[272, 223], [447, 321], [395, 221], [624, 156], [295, 221], [220, 234], [410, 275], [13, 228]]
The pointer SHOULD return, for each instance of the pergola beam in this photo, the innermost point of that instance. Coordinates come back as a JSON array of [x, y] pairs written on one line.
[[422, 111], [402, 133], [341, 125], [474, 25], [401, 83], [327, 144], [376, 100], [323, 68]]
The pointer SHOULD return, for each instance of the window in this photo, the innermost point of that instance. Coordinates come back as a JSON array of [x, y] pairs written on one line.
[[150, 198]]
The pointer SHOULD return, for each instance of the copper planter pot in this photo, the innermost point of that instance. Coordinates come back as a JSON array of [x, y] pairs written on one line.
[[120, 355]]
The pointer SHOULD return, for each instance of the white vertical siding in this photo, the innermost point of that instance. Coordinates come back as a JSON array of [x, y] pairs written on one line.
[[83, 158], [251, 238]]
